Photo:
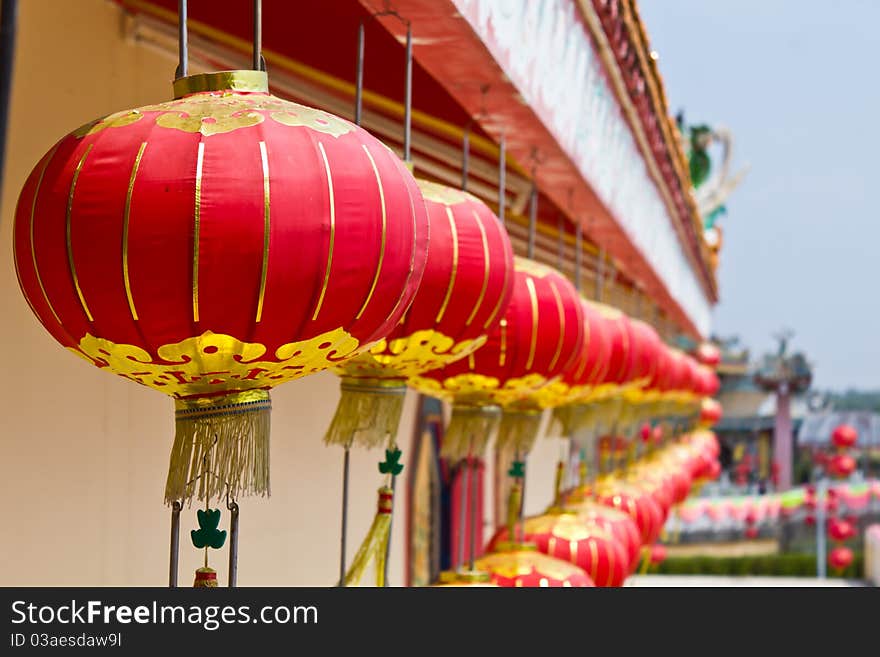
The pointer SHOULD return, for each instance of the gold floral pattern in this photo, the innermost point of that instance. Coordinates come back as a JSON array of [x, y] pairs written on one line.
[[218, 112], [420, 352], [511, 565], [117, 120], [478, 389], [213, 363]]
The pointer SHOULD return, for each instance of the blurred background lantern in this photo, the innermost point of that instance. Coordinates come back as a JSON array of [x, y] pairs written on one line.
[[577, 539], [844, 436], [522, 565], [840, 558], [709, 354], [214, 246]]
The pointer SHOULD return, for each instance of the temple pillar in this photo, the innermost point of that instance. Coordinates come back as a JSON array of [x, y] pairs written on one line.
[[782, 437]]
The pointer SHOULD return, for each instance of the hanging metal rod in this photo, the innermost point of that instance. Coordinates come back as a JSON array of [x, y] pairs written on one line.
[[502, 170], [407, 90], [182, 44], [533, 222], [259, 64], [465, 156]]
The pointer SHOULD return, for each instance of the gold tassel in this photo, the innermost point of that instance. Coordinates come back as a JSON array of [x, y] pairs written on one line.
[[375, 543], [368, 412], [519, 429], [470, 430], [232, 433]]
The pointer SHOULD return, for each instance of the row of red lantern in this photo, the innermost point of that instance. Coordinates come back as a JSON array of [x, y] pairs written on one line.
[[604, 528], [182, 247]]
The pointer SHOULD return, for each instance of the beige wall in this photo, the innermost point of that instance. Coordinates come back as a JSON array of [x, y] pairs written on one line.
[[83, 455]]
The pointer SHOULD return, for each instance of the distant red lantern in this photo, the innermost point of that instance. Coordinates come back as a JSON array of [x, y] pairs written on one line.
[[524, 566], [844, 436], [709, 354], [645, 432], [840, 530], [710, 412], [616, 521], [573, 538], [657, 434], [810, 520], [658, 554], [840, 558], [842, 465], [751, 532]]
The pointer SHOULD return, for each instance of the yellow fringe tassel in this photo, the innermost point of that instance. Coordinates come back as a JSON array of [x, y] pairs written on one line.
[[230, 436], [470, 430], [519, 429], [368, 413], [375, 544]]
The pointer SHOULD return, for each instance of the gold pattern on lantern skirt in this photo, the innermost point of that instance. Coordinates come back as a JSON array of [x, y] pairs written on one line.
[[406, 357], [478, 389], [510, 565], [116, 120], [214, 363], [564, 527]]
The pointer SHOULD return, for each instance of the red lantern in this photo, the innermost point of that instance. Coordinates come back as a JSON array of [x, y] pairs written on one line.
[[709, 354], [637, 503], [842, 465], [751, 532], [710, 412], [215, 246], [658, 554], [840, 530], [840, 558], [580, 383], [462, 297], [523, 565], [535, 342], [572, 538], [613, 520], [844, 436]]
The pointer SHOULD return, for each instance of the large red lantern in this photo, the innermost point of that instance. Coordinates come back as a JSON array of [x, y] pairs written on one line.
[[532, 345], [577, 539], [844, 436], [462, 297], [214, 246]]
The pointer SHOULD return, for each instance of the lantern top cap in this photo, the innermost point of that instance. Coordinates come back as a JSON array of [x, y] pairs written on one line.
[[245, 80]]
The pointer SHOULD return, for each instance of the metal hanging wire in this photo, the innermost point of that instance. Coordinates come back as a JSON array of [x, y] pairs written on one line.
[[407, 157]]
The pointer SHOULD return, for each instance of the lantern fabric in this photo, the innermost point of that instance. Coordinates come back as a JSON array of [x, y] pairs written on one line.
[[532, 345], [462, 296], [214, 246], [844, 436], [576, 539], [522, 565]]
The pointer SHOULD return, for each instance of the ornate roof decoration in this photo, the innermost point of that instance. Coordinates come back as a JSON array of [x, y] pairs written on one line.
[[637, 64]]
